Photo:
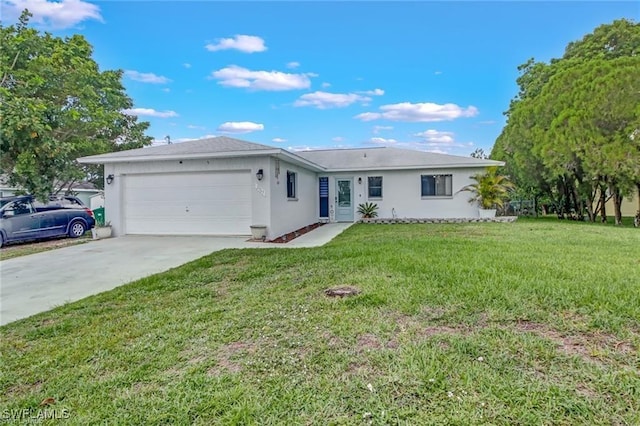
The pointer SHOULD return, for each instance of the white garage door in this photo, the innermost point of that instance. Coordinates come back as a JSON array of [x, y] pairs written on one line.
[[216, 203]]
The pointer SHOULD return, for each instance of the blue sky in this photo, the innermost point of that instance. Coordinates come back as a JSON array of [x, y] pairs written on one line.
[[433, 76]]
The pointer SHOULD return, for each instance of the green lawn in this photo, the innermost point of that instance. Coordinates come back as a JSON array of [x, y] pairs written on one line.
[[535, 322]]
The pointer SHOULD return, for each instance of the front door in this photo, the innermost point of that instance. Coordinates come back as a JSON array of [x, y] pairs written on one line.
[[344, 200]]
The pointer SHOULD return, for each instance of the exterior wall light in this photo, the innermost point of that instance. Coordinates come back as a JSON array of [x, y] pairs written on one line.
[[359, 181], [109, 179], [260, 174]]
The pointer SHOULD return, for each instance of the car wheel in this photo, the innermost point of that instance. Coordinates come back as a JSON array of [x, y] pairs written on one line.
[[1, 240], [76, 229]]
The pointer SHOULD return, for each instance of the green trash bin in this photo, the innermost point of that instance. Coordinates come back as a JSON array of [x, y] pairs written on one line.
[[98, 214]]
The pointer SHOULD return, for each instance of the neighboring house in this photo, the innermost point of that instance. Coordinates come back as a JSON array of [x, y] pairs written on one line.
[[83, 190], [222, 186], [629, 207]]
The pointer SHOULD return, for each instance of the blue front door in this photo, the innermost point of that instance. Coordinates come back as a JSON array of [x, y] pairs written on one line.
[[344, 200], [323, 186]]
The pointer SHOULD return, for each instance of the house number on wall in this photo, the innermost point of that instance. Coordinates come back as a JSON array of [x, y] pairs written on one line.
[[261, 191]]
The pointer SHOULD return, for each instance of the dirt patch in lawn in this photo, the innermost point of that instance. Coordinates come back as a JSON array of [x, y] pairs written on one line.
[[435, 330], [588, 346], [226, 355], [424, 327], [342, 291], [23, 388], [332, 340], [368, 342]]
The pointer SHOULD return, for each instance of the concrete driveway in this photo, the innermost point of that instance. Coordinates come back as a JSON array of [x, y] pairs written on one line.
[[38, 282]]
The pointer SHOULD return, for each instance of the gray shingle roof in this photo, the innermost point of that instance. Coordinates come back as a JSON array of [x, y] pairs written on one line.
[[381, 158], [220, 144], [378, 158]]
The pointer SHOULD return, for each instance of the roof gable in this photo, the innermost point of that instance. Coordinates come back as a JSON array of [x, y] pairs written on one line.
[[219, 145]]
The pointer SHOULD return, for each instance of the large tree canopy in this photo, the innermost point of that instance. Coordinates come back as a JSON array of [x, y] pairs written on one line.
[[56, 105], [573, 130]]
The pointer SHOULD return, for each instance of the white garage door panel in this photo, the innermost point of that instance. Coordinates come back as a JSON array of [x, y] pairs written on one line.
[[188, 203]]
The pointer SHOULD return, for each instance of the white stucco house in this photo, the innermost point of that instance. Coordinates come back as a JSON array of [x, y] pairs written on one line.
[[222, 186]]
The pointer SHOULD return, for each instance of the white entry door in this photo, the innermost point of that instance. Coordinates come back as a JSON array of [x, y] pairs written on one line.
[[212, 203], [344, 200]]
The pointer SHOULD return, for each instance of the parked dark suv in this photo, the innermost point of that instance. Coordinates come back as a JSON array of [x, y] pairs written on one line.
[[25, 218]]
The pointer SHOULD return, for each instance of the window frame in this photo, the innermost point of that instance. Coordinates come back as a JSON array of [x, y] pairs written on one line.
[[292, 185], [369, 187], [11, 207], [449, 187]]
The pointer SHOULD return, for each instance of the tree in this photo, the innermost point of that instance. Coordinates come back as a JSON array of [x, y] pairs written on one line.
[[572, 131], [56, 106], [479, 153], [490, 189]]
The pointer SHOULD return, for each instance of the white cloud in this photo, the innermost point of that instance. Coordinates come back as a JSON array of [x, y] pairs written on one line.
[[436, 137], [243, 43], [55, 14], [186, 65], [325, 85], [338, 139], [278, 140], [375, 92], [293, 64], [377, 129], [149, 112], [438, 72], [193, 126], [240, 127], [166, 90], [235, 76], [420, 112], [382, 141], [325, 100], [437, 151], [487, 122], [146, 77]]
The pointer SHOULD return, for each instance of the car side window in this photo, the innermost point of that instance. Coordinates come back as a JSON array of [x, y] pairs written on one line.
[[17, 208], [71, 202], [62, 202]]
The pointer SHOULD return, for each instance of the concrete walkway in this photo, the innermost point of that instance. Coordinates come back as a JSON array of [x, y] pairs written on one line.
[[38, 282]]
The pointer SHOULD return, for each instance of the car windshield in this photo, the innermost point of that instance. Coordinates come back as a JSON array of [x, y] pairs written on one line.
[[4, 202]]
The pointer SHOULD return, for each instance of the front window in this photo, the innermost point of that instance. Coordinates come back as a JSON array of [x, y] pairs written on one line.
[[436, 185], [291, 184], [375, 186], [17, 208]]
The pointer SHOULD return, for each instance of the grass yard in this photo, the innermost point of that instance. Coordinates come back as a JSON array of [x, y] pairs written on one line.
[[535, 322], [10, 251]]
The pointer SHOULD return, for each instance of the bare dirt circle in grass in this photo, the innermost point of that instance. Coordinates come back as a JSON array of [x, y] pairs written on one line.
[[342, 291]]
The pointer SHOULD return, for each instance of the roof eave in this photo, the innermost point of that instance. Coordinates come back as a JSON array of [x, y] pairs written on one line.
[[416, 167], [296, 159], [146, 158]]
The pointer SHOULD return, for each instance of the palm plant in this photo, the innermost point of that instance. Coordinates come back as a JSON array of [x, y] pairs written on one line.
[[368, 210], [490, 189]]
